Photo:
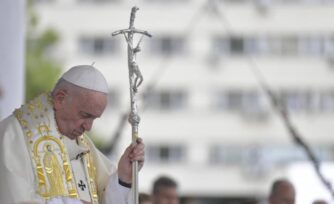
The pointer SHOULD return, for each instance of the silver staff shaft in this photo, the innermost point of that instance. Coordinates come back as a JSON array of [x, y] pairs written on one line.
[[135, 79]]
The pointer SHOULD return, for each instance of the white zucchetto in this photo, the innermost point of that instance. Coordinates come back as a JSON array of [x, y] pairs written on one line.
[[86, 76]]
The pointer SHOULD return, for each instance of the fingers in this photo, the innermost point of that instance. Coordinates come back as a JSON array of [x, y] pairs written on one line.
[[139, 158], [137, 152], [139, 140], [130, 148], [134, 152]]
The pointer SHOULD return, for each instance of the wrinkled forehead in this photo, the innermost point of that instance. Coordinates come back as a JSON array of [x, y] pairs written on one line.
[[91, 101]]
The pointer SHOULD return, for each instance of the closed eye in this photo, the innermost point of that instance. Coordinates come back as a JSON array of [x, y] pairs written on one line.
[[86, 115]]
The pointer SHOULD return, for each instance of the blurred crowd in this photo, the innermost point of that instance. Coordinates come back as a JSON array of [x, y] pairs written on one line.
[[165, 191]]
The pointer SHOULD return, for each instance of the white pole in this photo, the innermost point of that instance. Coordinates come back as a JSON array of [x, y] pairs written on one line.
[[12, 24]]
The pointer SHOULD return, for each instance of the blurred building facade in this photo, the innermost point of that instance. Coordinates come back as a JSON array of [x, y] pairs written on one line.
[[205, 119]]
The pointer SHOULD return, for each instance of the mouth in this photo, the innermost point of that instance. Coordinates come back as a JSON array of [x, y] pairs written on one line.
[[77, 132]]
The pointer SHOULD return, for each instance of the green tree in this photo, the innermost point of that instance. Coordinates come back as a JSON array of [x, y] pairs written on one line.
[[42, 70]]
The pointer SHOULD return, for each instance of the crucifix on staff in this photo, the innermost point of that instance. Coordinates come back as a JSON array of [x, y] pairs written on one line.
[[135, 79]]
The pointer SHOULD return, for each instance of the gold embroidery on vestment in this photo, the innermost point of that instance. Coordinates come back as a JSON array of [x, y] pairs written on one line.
[[49, 156]]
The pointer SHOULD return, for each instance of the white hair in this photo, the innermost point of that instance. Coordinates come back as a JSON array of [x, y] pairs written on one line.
[[70, 88]]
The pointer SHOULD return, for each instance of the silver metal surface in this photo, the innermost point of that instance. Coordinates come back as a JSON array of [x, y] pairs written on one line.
[[135, 79]]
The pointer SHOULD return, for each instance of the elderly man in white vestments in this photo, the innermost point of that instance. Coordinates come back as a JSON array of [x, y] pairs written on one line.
[[45, 156]]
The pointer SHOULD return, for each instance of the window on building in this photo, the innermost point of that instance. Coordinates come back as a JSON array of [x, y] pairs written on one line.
[[326, 101], [226, 155], [234, 100], [285, 154], [166, 153], [239, 100], [296, 101], [98, 45], [166, 100], [256, 46], [234, 1], [307, 101], [43, 1], [289, 45], [270, 155], [221, 45], [237, 46], [316, 1], [329, 46], [311, 46], [97, 1], [167, 45], [233, 45], [252, 103], [167, 1], [269, 2]]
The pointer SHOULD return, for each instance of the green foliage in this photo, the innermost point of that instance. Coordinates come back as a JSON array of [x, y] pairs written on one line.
[[42, 71]]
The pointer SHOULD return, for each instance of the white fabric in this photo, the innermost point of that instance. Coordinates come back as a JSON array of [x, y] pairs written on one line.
[[80, 179], [63, 201], [86, 76], [117, 193], [17, 180], [73, 149]]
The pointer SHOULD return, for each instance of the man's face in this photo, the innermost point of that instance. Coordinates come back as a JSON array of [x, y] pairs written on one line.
[[166, 195], [76, 113]]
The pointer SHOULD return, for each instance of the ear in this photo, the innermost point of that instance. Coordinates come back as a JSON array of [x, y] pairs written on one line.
[[59, 99]]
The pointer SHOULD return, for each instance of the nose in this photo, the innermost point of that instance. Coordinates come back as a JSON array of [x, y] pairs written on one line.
[[87, 124]]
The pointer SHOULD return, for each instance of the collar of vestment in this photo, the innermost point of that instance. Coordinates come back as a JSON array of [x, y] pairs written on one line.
[[52, 153]]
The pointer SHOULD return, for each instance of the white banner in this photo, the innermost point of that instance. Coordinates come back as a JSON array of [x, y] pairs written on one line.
[[12, 24]]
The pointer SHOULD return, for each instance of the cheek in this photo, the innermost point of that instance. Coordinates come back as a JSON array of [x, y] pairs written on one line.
[[76, 123], [73, 120], [67, 113]]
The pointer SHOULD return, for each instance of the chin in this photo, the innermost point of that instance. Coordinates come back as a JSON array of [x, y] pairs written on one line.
[[71, 136], [76, 134]]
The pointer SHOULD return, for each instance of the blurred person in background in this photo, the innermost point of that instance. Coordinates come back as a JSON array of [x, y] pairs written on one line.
[[189, 200], [282, 192], [144, 198], [165, 191], [46, 157], [319, 201]]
